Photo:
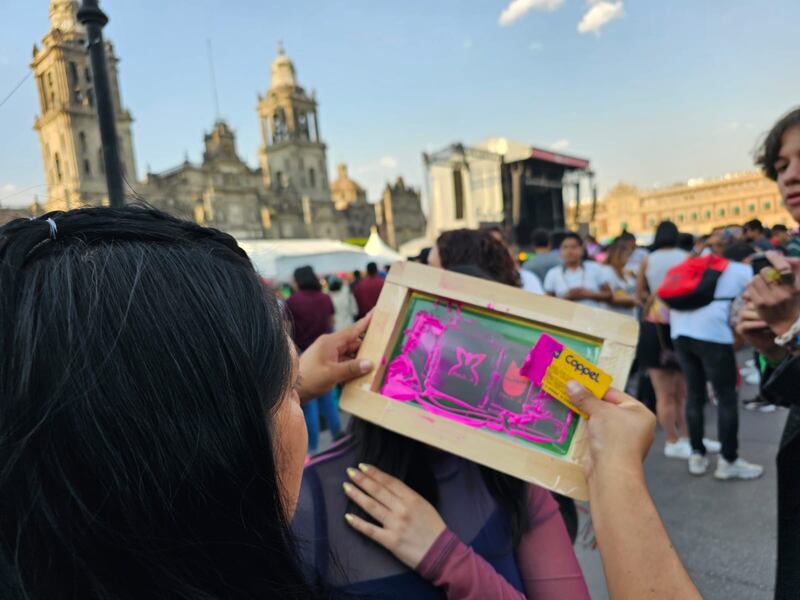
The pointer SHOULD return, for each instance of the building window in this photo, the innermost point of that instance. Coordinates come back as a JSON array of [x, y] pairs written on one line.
[[82, 141], [694, 216], [87, 74], [736, 210], [90, 96], [87, 167], [279, 178], [57, 161], [680, 218], [707, 214], [751, 207], [721, 212], [312, 178], [101, 161], [767, 205], [73, 73], [651, 221], [458, 193]]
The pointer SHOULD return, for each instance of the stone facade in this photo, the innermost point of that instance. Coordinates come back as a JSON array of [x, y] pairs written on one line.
[[351, 199], [399, 214], [69, 135], [696, 207]]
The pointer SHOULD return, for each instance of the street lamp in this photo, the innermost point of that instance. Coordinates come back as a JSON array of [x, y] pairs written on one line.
[[94, 20]]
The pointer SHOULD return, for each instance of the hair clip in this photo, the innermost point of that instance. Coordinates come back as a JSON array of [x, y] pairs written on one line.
[[53, 228]]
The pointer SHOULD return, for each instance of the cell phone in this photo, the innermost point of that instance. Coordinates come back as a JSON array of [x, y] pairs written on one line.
[[758, 262]]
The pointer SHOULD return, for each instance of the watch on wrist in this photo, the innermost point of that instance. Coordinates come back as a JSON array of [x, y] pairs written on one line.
[[789, 339]]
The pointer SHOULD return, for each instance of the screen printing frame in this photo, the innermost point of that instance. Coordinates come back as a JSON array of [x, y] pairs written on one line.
[[615, 334]]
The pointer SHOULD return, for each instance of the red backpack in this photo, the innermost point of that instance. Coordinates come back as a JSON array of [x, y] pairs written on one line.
[[692, 283]]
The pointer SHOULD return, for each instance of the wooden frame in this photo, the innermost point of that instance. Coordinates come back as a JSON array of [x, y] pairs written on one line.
[[616, 334]]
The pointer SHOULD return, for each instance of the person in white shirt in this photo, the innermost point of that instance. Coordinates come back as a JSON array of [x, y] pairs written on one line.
[[577, 279], [704, 342]]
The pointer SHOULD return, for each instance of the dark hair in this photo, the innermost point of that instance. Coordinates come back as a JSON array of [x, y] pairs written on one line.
[[753, 225], [779, 227], [422, 257], [480, 249], [570, 235], [738, 251], [770, 149], [626, 236], [686, 241], [372, 269], [306, 279], [411, 461], [141, 360], [335, 284], [540, 238], [667, 235]]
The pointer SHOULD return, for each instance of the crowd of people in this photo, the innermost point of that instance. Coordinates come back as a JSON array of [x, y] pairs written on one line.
[[153, 442]]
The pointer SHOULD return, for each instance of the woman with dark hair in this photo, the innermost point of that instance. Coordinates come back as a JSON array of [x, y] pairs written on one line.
[[477, 248], [312, 313], [151, 442], [504, 523], [621, 280], [151, 438], [655, 351]]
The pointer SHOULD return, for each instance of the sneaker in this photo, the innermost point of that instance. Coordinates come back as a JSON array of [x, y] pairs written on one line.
[[712, 446], [680, 449], [738, 469], [698, 464]]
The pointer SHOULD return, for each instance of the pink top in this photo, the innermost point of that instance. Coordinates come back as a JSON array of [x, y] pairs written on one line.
[[545, 559]]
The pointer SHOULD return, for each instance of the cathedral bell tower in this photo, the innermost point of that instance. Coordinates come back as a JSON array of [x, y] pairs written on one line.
[[69, 134], [292, 152]]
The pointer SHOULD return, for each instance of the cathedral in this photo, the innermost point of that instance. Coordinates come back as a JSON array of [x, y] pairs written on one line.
[[287, 196]]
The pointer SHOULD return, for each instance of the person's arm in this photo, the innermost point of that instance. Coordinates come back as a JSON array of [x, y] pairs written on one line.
[[642, 292], [638, 557], [412, 529], [554, 574]]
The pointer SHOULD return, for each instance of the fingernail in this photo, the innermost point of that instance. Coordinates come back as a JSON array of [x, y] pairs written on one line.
[[347, 487], [348, 517], [573, 387], [365, 365], [363, 467], [351, 472]]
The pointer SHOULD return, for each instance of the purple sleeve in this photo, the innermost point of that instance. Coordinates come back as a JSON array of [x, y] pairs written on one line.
[[545, 558], [461, 573]]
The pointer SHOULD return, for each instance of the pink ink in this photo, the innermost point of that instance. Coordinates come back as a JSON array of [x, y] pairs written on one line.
[[540, 357], [490, 306], [467, 359], [383, 360], [441, 368]]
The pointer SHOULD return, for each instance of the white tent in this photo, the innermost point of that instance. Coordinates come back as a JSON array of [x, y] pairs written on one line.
[[378, 249], [277, 259]]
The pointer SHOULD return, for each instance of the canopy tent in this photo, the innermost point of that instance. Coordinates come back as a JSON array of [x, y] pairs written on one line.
[[277, 259], [413, 247], [379, 250]]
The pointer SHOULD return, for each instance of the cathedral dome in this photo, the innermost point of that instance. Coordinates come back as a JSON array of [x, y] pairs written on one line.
[[282, 70]]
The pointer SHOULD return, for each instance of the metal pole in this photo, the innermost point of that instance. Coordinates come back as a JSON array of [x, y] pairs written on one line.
[[94, 20]]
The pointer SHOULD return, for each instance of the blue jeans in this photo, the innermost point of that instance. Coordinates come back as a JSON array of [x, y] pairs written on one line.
[[327, 404]]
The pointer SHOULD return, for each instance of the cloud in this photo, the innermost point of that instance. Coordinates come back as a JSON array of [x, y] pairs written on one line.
[[517, 8], [535, 46], [560, 145], [389, 162], [600, 13], [467, 44], [8, 188]]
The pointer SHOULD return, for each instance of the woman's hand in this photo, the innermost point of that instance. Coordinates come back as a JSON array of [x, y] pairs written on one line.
[[621, 431], [777, 304], [331, 360], [409, 524]]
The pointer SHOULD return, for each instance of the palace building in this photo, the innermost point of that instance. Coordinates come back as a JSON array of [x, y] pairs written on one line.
[[696, 207]]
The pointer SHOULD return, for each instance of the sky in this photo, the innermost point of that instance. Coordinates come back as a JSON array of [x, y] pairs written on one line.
[[653, 92]]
